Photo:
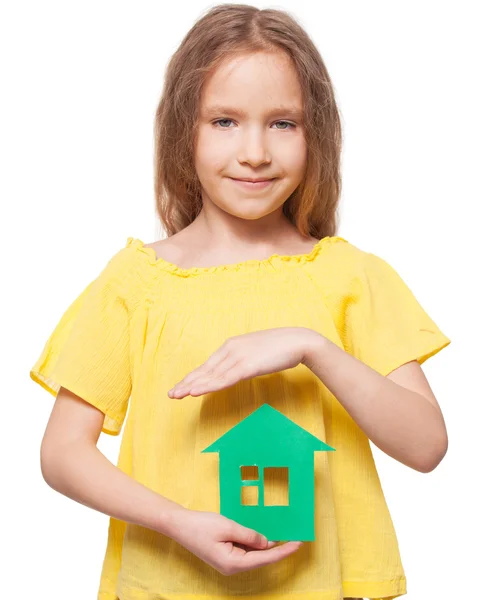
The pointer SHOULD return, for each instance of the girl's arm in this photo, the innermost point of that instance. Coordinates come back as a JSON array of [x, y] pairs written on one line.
[[399, 413], [72, 465]]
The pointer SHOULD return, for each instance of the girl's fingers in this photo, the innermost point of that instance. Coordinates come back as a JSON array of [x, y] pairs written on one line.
[[209, 385], [221, 370], [213, 382], [209, 365], [190, 377], [260, 558], [250, 549]]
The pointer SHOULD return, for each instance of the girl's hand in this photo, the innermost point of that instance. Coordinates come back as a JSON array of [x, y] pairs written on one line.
[[248, 355], [225, 544]]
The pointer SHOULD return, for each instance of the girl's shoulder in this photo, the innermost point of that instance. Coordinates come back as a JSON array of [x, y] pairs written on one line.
[[338, 259]]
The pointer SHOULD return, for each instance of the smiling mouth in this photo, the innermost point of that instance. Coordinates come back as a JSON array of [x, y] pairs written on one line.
[[250, 181], [250, 186]]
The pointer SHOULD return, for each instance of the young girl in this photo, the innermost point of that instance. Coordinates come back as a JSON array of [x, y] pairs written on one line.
[[250, 299]]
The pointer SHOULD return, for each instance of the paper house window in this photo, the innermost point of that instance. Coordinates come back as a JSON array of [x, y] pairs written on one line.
[[250, 485], [276, 486], [272, 491]]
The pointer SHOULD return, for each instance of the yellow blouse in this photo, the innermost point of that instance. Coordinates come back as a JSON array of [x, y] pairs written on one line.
[[143, 324]]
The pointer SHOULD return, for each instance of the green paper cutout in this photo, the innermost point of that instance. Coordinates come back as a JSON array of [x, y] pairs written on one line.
[[269, 439]]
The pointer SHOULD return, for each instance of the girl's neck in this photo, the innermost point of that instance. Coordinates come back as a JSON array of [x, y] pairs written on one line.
[[192, 247]]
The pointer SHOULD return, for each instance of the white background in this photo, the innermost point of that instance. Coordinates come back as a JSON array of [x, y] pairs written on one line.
[[81, 81]]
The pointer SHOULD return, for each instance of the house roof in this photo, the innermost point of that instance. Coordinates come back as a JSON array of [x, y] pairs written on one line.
[[267, 428]]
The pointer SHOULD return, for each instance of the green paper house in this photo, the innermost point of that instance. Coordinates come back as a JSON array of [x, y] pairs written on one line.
[[264, 454]]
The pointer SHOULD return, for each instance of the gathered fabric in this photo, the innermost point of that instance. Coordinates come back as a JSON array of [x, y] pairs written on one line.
[[142, 324]]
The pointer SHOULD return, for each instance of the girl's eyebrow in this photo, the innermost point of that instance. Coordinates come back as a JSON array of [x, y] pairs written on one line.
[[217, 109]]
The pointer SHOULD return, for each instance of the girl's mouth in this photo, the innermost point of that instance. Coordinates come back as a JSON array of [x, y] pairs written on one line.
[[250, 185]]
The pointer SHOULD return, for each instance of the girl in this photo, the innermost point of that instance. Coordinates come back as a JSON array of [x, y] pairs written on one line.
[[251, 299]]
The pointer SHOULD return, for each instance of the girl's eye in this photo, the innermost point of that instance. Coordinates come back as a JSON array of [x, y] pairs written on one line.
[[220, 121], [286, 123], [230, 120]]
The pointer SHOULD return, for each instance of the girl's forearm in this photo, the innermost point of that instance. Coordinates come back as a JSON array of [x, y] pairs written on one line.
[[400, 422], [81, 472]]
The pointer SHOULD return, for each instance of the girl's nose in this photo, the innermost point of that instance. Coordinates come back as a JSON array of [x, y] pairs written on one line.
[[254, 150]]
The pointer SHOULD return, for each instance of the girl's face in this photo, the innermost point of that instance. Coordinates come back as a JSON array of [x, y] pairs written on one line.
[[250, 126]]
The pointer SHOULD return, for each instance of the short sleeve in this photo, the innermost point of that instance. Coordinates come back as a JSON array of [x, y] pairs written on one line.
[[88, 352], [385, 325]]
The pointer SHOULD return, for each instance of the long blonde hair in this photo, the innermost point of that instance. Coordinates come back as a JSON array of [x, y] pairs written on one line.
[[228, 30]]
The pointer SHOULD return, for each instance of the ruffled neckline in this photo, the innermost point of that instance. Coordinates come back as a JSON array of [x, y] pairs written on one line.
[[159, 262]]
